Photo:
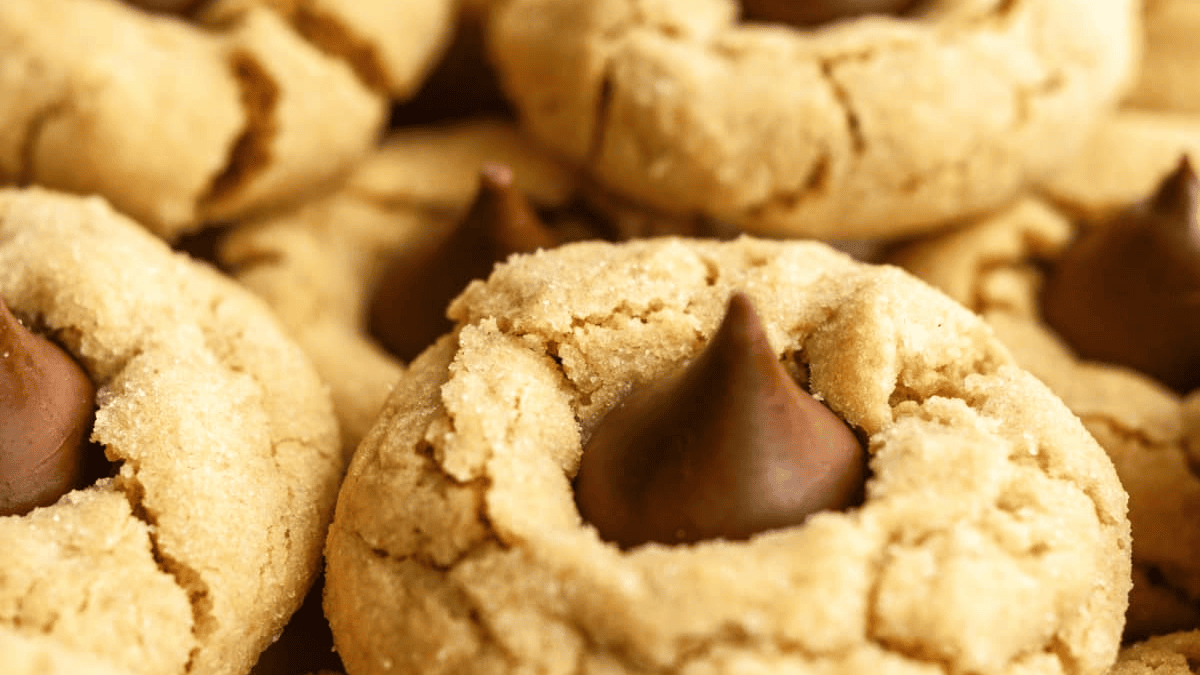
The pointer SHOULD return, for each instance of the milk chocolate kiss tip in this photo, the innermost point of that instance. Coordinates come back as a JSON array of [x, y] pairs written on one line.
[[807, 13], [407, 311], [1127, 292], [46, 409], [727, 447]]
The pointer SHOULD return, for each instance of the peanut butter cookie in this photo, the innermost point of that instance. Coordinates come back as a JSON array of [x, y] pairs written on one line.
[[193, 547], [850, 127], [988, 535]]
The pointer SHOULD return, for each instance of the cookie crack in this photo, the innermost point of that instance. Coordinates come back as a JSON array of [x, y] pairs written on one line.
[[335, 39], [185, 576], [251, 151]]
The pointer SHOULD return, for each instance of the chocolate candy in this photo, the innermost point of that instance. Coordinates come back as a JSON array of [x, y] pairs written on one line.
[[1128, 292], [727, 447], [408, 308], [47, 403], [804, 13]]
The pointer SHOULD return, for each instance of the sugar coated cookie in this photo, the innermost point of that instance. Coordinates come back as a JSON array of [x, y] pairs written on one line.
[[174, 124], [989, 535], [863, 126], [201, 535]]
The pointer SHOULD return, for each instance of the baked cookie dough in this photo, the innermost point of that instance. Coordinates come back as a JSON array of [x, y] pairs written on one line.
[[318, 265], [996, 267], [175, 124], [1169, 78], [192, 555], [37, 655], [1148, 144], [1172, 654], [390, 44], [992, 538], [876, 126]]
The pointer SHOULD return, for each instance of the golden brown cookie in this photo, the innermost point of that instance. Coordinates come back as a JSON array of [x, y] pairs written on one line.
[[389, 44], [996, 267], [1170, 67], [1172, 654], [223, 449], [318, 266], [872, 126], [174, 124], [991, 539]]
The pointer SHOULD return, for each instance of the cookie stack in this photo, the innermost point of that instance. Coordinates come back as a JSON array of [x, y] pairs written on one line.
[[386, 336]]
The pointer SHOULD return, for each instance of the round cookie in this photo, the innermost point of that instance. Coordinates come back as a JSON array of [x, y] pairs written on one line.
[[390, 45], [992, 537], [318, 265], [1172, 654], [996, 267], [1171, 60], [175, 124], [875, 126], [193, 553]]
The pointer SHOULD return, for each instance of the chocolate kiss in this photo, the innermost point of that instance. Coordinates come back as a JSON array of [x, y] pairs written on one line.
[[728, 447], [805, 13], [408, 310], [1128, 292], [46, 407]]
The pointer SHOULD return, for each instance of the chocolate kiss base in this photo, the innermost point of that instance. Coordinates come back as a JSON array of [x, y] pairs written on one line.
[[729, 447], [47, 404]]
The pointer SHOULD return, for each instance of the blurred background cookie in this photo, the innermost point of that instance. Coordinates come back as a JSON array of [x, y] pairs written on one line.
[[859, 126], [175, 124], [1169, 78], [1172, 654]]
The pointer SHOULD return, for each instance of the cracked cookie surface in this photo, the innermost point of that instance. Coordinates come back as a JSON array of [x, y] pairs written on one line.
[[992, 539], [995, 267], [174, 124], [194, 554], [390, 45], [871, 127]]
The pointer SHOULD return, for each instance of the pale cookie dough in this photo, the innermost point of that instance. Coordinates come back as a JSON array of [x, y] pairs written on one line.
[[37, 655], [174, 124], [317, 265], [1148, 144], [1172, 654], [993, 537], [1169, 78], [872, 127], [994, 267], [195, 554], [390, 44]]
